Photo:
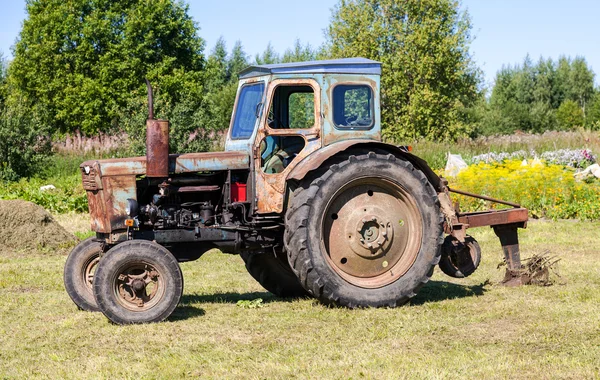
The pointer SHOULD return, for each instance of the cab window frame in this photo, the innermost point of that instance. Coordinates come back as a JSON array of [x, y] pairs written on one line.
[[371, 105], [236, 105]]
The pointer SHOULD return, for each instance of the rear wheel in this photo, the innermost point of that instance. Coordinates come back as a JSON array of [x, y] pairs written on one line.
[[79, 273], [273, 272], [138, 282], [366, 232]]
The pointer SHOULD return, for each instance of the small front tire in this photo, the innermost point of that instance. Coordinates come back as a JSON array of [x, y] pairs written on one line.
[[79, 273], [138, 282]]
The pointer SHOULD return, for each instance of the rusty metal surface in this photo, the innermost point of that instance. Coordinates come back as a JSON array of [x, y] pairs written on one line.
[[316, 159], [494, 217], [270, 188], [372, 232], [197, 189], [331, 133], [478, 196], [178, 163], [209, 161], [157, 148], [107, 207], [509, 239]]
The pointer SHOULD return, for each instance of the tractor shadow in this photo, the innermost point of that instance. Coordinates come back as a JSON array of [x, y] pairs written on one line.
[[232, 297], [187, 310], [433, 291], [436, 291]]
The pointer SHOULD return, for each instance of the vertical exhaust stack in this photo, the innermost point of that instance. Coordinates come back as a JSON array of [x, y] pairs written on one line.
[[157, 142]]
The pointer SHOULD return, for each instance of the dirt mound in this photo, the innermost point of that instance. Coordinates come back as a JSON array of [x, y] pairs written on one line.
[[25, 225]]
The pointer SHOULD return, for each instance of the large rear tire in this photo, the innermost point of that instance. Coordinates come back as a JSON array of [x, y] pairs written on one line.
[[273, 273], [79, 272], [365, 233], [138, 282]]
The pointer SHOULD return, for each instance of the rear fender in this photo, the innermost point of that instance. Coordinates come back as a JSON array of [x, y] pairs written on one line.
[[319, 157]]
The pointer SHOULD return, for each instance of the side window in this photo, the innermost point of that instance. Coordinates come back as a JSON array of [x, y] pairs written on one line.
[[302, 110], [352, 106], [292, 107], [247, 111]]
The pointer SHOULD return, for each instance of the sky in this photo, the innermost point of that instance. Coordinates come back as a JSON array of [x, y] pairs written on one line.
[[505, 30]]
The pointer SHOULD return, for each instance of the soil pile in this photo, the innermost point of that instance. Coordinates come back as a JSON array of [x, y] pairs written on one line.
[[25, 225]]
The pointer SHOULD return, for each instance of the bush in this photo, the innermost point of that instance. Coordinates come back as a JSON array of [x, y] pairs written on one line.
[[546, 190], [68, 196], [24, 143]]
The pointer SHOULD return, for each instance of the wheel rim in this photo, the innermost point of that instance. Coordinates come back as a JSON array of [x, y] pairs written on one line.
[[89, 270], [138, 286], [372, 232]]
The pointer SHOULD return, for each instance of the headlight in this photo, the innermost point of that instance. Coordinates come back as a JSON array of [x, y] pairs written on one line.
[[132, 207]]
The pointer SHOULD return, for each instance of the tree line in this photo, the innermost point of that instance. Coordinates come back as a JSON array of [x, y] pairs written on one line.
[[80, 66]]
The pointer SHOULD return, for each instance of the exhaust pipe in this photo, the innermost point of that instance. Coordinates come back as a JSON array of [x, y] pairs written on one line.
[[157, 142]]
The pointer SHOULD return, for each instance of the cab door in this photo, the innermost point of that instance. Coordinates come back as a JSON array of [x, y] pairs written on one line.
[[289, 131]]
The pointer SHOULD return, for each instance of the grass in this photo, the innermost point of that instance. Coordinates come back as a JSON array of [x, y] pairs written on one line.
[[469, 328]]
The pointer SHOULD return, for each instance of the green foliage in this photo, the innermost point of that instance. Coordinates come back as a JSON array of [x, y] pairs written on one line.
[[68, 196], [269, 56], [429, 80], [256, 303], [299, 53], [24, 142], [201, 113], [3, 67], [529, 97], [82, 61], [569, 115]]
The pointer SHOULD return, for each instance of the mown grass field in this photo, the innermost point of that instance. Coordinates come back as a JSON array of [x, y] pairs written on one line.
[[470, 328]]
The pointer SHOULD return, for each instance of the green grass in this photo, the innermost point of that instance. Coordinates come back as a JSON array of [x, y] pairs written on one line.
[[469, 328]]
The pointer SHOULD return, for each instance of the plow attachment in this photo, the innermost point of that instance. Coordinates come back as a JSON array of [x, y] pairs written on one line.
[[505, 223]]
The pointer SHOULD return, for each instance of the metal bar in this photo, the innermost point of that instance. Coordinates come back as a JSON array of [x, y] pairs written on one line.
[[196, 189], [484, 198], [495, 217]]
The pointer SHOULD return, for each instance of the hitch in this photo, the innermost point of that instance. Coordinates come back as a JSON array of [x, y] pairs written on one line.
[[505, 222]]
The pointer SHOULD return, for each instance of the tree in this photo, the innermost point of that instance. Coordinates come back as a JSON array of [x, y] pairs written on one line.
[[528, 97], [428, 80], [569, 115], [269, 56], [299, 53], [237, 61], [83, 61], [2, 80]]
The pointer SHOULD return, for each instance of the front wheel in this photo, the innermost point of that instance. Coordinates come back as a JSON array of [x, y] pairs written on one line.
[[79, 273], [138, 282], [367, 232]]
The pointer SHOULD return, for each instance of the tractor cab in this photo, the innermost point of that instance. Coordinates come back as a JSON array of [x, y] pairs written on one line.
[[285, 112]]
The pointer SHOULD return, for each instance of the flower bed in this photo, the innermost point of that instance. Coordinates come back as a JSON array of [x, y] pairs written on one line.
[[547, 190]]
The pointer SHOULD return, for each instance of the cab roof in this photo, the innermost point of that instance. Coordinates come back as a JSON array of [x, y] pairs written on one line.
[[333, 66]]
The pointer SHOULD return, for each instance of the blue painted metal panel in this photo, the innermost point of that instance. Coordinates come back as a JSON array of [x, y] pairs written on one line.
[[361, 66]]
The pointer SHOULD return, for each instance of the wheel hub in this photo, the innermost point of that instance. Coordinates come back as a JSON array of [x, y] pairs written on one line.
[[372, 232], [374, 235], [138, 286]]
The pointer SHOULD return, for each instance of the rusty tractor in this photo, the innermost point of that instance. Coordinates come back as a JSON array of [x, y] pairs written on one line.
[[305, 192]]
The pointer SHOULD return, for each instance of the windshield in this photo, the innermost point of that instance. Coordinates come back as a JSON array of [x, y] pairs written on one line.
[[247, 110]]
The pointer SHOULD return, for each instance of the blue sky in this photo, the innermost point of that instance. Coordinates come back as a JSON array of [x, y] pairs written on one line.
[[505, 30]]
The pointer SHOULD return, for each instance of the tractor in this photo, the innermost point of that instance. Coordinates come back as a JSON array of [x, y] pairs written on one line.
[[305, 192]]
